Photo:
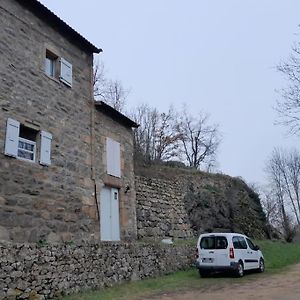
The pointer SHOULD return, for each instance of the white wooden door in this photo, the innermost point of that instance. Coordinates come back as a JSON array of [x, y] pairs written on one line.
[[110, 220]]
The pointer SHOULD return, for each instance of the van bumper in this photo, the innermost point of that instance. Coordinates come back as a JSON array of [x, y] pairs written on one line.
[[232, 267]]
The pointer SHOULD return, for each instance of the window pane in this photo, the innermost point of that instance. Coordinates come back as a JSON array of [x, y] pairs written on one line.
[[236, 243], [29, 147], [49, 67], [243, 243], [207, 243], [251, 245], [221, 242], [25, 154], [21, 145]]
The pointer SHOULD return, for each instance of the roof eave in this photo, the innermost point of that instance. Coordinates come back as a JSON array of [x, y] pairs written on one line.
[[115, 114], [48, 16]]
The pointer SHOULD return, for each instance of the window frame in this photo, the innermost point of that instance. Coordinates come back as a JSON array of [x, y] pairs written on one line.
[[20, 139], [53, 59]]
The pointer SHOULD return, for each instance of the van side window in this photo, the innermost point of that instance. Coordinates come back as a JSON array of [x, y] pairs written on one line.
[[251, 245], [239, 242], [243, 243]]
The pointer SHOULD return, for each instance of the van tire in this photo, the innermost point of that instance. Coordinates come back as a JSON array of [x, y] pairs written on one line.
[[203, 273], [261, 267], [239, 269]]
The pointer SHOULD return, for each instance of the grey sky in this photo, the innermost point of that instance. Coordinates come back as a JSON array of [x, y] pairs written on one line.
[[216, 56]]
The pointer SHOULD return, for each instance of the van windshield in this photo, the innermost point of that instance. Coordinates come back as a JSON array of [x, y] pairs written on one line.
[[213, 242]]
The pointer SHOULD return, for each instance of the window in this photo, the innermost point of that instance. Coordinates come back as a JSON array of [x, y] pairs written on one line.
[[213, 242], [113, 158], [21, 143], [50, 64], [58, 68], [239, 242], [251, 245], [27, 143]]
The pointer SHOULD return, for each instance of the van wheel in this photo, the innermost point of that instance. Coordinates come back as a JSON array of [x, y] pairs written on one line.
[[261, 267], [203, 273], [239, 270]]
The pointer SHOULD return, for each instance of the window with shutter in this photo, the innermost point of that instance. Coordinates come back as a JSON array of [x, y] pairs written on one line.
[[65, 72], [21, 143], [113, 157]]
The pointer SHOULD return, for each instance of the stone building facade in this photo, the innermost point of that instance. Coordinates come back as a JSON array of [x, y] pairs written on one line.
[[65, 160]]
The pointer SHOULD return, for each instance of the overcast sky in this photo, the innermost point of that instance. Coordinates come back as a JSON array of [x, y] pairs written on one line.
[[218, 56]]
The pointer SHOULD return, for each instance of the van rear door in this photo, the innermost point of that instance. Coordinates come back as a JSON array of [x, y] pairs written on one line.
[[213, 250]]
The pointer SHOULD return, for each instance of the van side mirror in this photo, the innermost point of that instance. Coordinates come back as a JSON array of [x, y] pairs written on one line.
[[256, 248]]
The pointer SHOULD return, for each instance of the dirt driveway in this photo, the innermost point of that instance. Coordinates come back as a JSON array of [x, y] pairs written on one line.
[[283, 286]]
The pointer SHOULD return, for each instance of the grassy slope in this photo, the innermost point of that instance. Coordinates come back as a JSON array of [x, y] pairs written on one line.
[[277, 255]]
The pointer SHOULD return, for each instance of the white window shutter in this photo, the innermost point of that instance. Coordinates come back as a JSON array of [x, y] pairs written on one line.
[[12, 137], [65, 72], [46, 139], [113, 158]]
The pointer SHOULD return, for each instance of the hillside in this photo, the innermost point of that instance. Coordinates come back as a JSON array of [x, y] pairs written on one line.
[[181, 203]]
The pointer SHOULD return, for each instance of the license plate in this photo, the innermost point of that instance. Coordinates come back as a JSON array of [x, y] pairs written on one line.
[[207, 260]]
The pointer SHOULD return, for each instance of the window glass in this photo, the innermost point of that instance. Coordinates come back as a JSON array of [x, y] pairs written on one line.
[[243, 243], [221, 242], [236, 242], [251, 245], [50, 64], [213, 242], [27, 143], [239, 242], [207, 242]]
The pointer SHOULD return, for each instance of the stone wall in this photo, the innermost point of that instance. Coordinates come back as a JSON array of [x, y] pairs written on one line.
[[160, 209], [46, 271], [181, 203]]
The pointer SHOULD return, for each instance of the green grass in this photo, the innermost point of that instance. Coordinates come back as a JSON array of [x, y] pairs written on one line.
[[277, 256]]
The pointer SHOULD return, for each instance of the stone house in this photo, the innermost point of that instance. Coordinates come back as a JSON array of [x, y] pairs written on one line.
[[66, 161]]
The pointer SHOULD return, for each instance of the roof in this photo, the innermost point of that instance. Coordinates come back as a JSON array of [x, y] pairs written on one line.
[[114, 114], [59, 25]]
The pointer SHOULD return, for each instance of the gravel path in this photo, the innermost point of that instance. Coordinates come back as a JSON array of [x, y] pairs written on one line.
[[283, 286]]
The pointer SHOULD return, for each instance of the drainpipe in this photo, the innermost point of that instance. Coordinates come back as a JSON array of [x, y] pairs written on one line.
[[93, 171]]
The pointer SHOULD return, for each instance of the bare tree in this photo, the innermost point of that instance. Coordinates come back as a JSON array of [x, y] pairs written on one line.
[[289, 105], [110, 91], [155, 139], [284, 175], [99, 81], [199, 139]]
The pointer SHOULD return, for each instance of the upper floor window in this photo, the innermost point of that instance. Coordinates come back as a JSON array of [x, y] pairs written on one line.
[[51, 64], [58, 68]]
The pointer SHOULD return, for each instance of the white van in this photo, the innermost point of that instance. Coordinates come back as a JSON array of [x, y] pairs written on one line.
[[227, 252]]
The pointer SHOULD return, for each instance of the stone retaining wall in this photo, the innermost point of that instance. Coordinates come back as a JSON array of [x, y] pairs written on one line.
[[43, 272], [179, 203]]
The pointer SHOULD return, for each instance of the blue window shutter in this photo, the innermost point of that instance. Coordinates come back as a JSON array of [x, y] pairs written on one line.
[[65, 72], [45, 157], [12, 137]]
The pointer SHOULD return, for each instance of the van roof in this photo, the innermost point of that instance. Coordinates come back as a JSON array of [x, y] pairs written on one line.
[[222, 234]]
